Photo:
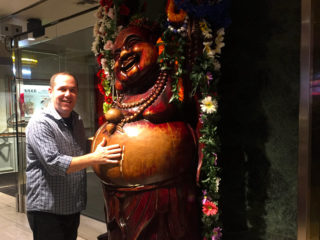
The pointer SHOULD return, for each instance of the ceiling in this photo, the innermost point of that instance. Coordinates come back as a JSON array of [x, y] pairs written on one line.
[[59, 35], [46, 10], [65, 35]]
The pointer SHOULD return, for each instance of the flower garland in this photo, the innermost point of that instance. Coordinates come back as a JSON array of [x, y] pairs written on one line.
[[172, 49], [105, 31], [204, 76]]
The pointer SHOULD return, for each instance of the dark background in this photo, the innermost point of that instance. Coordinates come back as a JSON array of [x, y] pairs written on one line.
[[259, 127]]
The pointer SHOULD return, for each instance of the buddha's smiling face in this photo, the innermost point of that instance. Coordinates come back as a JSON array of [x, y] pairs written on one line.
[[135, 57]]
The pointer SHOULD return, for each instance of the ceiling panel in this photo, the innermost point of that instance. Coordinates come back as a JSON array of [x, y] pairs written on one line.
[[46, 10], [11, 6]]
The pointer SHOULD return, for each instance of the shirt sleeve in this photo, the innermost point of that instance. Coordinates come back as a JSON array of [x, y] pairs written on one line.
[[42, 149]]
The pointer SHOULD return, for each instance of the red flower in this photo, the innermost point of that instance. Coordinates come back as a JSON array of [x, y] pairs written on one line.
[[99, 59], [101, 89], [108, 99], [107, 3], [101, 75], [124, 10], [209, 208]]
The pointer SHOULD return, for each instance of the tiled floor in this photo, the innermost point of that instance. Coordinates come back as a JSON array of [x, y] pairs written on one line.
[[14, 225]]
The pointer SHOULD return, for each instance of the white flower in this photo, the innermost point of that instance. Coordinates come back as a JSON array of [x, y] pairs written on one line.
[[218, 47], [94, 46], [108, 24], [208, 105], [205, 29], [220, 32], [211, 53], [207, 45], [216, 65], [207, 49], [219, 40], [96, 29], [207, 34], [99, 13], [217, 183], [106, 72], [102, 29], [103, 62]]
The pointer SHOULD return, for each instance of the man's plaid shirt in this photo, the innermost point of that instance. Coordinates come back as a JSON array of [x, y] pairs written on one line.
[[50, 146]]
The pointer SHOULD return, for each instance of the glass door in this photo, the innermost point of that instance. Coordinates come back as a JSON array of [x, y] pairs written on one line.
[[8, 121], [70, 53], [31, 95]]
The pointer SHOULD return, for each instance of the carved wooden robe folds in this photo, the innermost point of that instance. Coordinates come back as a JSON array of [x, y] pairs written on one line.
[[151, 194]]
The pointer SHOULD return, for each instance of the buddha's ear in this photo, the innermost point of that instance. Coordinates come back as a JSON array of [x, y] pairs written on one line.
[[118, 85]]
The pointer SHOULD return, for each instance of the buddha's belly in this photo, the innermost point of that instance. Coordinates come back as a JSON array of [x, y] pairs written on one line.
[[152, 153]]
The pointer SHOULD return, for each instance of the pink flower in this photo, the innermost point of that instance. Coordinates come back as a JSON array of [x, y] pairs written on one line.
[[209, 208], [215, 159], [110, 13], [108, 45], [209, 77], [217, 234], [204, 199]]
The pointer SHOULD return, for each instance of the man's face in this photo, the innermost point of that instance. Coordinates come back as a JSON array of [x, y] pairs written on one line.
[[64, 94], [135, 56]]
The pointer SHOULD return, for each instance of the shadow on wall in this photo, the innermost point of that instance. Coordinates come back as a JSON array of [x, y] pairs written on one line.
[[244, 128]]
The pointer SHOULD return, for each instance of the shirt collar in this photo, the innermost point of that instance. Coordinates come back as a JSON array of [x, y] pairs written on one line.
[[53, 112]]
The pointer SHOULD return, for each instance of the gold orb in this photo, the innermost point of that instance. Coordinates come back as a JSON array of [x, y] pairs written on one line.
[[113, 115]]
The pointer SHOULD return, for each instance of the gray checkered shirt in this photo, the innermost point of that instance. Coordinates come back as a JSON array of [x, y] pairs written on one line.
[[50, 145]]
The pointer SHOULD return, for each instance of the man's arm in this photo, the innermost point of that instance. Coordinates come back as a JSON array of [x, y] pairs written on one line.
[[43, 148], [102, 155]]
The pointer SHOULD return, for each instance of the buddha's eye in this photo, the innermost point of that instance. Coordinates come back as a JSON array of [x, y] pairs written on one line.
[[132, 40]]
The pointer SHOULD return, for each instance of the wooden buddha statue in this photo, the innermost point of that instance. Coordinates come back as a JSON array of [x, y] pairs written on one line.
[[151, 194]]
